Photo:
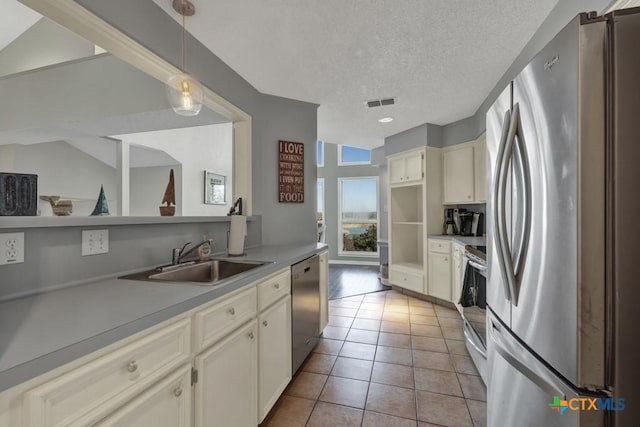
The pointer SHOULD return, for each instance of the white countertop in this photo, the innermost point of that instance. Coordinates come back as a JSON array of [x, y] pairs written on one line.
[[42, 332]]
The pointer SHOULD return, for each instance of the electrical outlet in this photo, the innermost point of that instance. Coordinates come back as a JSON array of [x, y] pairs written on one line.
[[11, 248], [95, 242]]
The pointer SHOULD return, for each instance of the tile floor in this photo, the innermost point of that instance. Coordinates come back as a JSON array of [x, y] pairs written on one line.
[[386, 360]]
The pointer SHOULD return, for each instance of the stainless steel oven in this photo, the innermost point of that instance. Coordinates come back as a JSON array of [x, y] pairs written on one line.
[[473, 303]]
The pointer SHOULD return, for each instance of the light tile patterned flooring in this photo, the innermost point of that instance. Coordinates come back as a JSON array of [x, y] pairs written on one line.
[[386, 359]]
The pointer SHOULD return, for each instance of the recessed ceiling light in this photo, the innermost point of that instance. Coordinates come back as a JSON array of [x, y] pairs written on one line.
[[386, 120]]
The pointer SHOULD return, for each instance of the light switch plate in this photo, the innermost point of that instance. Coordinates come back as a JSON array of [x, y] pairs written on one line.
[[95, 242], [11, 248]]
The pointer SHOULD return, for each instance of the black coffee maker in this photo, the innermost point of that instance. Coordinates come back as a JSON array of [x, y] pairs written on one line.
[[449, 226], [471, 223]]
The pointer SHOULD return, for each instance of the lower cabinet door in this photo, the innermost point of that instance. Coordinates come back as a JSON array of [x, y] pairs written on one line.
[[274, 354], [166, 404], [324, 290], [226, 390], [440, 276]]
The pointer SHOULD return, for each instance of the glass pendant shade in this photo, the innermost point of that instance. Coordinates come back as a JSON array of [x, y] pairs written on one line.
[[185, 94]]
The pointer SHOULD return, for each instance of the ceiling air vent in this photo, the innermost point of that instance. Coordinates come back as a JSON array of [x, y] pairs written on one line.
[[380, 102]]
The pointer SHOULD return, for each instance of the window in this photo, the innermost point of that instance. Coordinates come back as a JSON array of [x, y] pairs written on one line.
[[353, 155], [320, 154], [320, 210], [358, 215]]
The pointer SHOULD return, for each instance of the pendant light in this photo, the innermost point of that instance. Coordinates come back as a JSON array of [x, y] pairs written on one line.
[[184, 91]]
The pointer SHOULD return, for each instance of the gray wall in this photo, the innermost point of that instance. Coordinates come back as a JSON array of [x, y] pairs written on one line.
[[53, 255], [471, 127], [273, 118], [45, 43], [331, 172]]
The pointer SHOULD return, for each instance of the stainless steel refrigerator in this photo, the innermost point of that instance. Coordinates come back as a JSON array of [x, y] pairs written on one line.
[[563, 216]]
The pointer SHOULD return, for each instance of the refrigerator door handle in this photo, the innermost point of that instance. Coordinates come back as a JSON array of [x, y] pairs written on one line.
[[526, 178], [499, 210], [505, 258], [540, 378], [469, 335]]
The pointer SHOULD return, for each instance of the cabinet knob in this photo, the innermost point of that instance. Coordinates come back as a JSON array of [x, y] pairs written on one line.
[[277, 285], [468, 197], [446, 259], [177, 392], [265, 323], [401, 178], [232, 311], [404, 278], [132, 366], [251, 336]]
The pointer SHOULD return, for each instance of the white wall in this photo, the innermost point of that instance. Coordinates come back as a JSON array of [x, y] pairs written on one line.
[[147, 186], [197, 149], [62, 171]]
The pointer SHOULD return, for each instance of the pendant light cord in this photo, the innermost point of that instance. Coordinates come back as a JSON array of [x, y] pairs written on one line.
[[183, 34]]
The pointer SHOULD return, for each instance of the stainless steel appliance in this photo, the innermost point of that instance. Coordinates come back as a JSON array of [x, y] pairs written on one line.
[[562, 293], [305, 309], [473, 303]]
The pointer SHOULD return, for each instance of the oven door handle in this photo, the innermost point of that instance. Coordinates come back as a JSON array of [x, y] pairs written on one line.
[[477, 266]]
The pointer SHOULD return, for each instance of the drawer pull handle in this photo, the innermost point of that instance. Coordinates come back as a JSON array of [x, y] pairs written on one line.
[[232, 311], [251, 335], [265, 323], [404, 278], [177, 392], [132, 366], [277, 286]]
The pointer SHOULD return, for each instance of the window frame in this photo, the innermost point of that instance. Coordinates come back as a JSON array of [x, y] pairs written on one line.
[[341, 251], [320, 145]]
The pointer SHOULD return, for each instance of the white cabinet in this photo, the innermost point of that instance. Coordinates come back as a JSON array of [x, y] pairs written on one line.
[[440, 269], [406, 167], [166, 404], [227, 384], [324, 290], [87, 394], [457, 167], [480, 167], [274, 354], [415, 210], [457, 273]]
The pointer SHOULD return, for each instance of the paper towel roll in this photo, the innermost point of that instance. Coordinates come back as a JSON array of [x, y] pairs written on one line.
[[237, 232]]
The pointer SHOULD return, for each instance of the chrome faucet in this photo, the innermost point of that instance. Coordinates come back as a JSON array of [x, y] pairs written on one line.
[[179, 255]]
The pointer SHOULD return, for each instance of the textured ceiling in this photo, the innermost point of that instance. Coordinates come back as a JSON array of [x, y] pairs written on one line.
[[439, 58]]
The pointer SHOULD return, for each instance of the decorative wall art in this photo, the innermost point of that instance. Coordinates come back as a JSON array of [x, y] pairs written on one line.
[[18, 194], [169, 198], [214, 188], [101, 209], [290, 172]]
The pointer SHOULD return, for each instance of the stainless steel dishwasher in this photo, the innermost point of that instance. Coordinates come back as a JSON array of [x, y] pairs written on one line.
[[305, 309]]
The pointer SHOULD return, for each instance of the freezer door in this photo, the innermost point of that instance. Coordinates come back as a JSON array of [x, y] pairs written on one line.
[[521, 389], [498, 119], [559, 301]]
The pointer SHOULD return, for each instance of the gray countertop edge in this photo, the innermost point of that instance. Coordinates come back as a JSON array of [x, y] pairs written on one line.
[[19, 222], [36, 366], [463, 240]]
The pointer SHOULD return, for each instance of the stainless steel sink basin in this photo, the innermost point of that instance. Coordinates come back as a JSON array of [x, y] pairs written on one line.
[[208, 273]]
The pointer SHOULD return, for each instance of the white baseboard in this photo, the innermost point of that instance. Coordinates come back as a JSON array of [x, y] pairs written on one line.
[[346, 262]]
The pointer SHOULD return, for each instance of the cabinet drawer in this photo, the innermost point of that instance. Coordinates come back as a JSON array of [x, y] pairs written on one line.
[[110, 380], [273, 288], [412, 281], [440, 246], [216, 321]]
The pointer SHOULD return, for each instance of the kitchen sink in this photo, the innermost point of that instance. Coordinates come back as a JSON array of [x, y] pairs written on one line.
[[208, 273]]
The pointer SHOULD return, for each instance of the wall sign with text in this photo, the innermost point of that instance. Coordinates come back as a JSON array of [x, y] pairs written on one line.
[[290, 172]]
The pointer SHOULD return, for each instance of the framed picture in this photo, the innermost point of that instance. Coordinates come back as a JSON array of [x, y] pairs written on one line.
[[214, 189]]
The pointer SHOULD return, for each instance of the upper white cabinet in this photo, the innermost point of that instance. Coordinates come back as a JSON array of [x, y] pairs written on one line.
[[480, 163], [464, 172], [407, 167], [457, 167]]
